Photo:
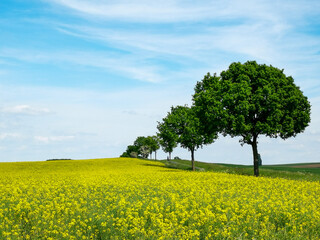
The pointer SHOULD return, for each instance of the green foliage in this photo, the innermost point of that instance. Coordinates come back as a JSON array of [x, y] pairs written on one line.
[[142, 147], [131, 151], [141, 144], [167, 137], [124, 155], [184, 127], [209, 109], [249, 100], [153, 144]]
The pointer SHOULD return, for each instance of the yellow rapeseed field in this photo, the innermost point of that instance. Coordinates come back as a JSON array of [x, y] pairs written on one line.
[[137, 199]]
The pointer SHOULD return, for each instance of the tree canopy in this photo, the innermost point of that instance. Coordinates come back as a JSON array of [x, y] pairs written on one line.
[[167, 137], [153, 143], [184, 126], [249, 100], [131, 151], [142, 147]]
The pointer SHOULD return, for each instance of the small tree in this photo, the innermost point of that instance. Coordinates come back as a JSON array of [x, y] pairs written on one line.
[[145, 151], [125, 155], [131, 151], [249, 100], [133, 154], [139, 143], [142, 147], [153, 143], [146, 145], [183, 122], [167, 137]]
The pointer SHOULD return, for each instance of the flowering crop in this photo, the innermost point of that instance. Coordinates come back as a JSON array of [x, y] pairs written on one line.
[[137, 199]]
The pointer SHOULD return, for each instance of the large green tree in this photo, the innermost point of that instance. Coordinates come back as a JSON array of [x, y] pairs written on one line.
[[249, 100], [183, 123]]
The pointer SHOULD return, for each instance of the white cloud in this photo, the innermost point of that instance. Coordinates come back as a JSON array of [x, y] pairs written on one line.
[[268, 37], [136, 68], [181, 11], [235, 31], [146, 11], [9, 135], [46, 139], [25, 109], [89, 124]]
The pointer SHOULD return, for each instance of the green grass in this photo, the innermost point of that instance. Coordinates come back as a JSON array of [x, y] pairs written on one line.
[[287, 171], [292, 168]]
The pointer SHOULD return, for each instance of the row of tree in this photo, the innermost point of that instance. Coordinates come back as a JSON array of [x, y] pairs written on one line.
[[143, 147], [247, 100]]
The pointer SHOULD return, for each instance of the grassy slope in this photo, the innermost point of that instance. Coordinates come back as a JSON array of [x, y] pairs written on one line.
[[283, 171]]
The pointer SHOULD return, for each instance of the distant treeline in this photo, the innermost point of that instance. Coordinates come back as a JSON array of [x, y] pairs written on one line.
[[58, 159]]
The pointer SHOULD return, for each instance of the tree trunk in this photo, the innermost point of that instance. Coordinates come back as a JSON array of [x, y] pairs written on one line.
[[169, 155], [255, 157], [155, 155], [192, 160]]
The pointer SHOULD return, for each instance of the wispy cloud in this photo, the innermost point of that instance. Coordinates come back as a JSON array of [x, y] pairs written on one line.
[[217, 30], [144, 11], [46, 139], [213, 47], [9, 135], [190, 11], [128, 66], [24, 109], [258, 29]]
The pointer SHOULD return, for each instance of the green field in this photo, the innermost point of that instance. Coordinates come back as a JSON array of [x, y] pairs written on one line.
[[298, 171]]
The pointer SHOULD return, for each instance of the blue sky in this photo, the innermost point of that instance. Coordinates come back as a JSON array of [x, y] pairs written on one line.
[[82, 79]]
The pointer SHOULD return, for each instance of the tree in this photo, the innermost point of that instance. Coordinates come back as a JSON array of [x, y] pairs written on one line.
[[131, 151], [184, 124], [142, 145], [167, 137], [153, 143], [249, 100], [145, 151], [125, 155]]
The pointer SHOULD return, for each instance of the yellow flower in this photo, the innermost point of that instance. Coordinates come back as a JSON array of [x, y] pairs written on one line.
[[134, 199]]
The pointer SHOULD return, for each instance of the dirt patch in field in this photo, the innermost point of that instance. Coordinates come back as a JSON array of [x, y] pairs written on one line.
[[308, 166]]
